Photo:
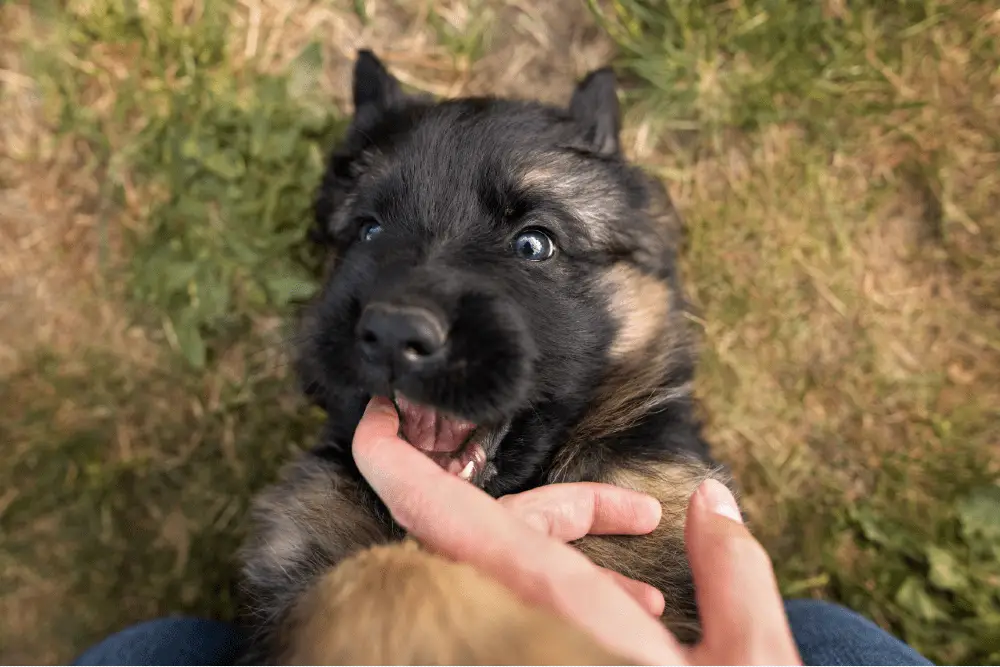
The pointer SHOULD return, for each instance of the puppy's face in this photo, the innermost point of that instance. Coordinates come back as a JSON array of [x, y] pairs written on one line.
[[492, 262]]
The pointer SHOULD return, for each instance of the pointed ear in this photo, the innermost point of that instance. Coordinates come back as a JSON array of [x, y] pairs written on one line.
[[374, 87], [595, 107]]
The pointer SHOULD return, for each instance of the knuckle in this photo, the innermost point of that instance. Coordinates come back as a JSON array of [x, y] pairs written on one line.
[[540, 521], [587, 507], [526, 508]]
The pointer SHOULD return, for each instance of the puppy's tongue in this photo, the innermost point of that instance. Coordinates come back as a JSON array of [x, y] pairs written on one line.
[[445, 439], [429, 431]]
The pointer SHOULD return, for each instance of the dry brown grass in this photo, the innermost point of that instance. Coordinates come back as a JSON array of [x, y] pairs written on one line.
[[54, 245]]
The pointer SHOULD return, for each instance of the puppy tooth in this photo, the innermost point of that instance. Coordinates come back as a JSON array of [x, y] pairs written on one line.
[[466, 473]]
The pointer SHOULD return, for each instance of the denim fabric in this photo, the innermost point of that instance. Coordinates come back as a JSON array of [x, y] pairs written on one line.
[[169, 641], [826, 634]]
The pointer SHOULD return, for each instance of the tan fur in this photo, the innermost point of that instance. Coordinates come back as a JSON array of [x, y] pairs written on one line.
[[596, 203], [648, 340], [641, 305], [401, 605], [587, 197], [660, 558]]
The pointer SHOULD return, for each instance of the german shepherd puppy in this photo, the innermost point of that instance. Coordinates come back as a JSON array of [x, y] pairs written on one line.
[[500, 270]]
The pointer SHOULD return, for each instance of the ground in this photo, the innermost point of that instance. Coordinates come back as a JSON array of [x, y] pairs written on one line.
[[837, 165]]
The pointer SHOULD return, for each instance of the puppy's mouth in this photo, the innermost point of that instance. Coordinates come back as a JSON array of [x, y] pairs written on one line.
[[462, 448]]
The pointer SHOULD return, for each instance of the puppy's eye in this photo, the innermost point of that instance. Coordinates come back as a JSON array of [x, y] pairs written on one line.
[[369, 231], [534, 245]]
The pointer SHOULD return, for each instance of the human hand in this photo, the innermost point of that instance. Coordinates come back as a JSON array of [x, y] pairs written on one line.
[[520, 542], [568, 512]]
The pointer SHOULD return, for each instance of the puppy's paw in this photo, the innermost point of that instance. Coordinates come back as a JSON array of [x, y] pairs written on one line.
[[400, 605]]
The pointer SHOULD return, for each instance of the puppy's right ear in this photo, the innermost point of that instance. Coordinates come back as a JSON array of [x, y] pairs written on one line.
[[595, 107], [375, 89]]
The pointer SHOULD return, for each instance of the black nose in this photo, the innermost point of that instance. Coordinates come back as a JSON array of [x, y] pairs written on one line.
[[407, 336]]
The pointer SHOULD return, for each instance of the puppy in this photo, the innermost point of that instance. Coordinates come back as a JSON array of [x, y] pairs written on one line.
[[500, 270]]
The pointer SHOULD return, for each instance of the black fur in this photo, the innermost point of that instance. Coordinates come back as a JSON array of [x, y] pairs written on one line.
[[529, 340]]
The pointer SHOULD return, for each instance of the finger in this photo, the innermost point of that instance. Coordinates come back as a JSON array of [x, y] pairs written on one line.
[[460, 521], [422, 497], [568, 512], [742, 614], [649, 597]]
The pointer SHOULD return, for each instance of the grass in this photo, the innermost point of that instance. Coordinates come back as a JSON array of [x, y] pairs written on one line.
[[840, 193], [837, 167], [223, 164]]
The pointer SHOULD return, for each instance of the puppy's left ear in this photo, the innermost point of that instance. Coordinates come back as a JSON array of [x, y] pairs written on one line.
[[595, 107], [375, 89]]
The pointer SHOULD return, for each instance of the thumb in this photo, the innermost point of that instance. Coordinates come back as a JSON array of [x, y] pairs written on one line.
[[742, 614]]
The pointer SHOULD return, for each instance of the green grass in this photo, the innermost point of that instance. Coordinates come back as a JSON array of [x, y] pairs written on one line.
[[748, 64], [226, 161], [838, 170]]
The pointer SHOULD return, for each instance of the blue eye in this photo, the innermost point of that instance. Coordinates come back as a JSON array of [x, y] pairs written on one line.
[[534, 245], [369, 230]]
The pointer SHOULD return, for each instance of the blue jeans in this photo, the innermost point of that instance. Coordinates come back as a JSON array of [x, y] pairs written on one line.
[[827, 634]]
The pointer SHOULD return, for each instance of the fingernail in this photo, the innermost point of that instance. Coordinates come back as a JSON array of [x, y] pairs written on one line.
[[654, 510], [380, 404], [719, 499]]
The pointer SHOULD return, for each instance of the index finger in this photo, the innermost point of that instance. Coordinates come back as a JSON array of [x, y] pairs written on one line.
[[460, 521], [571, 510]]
